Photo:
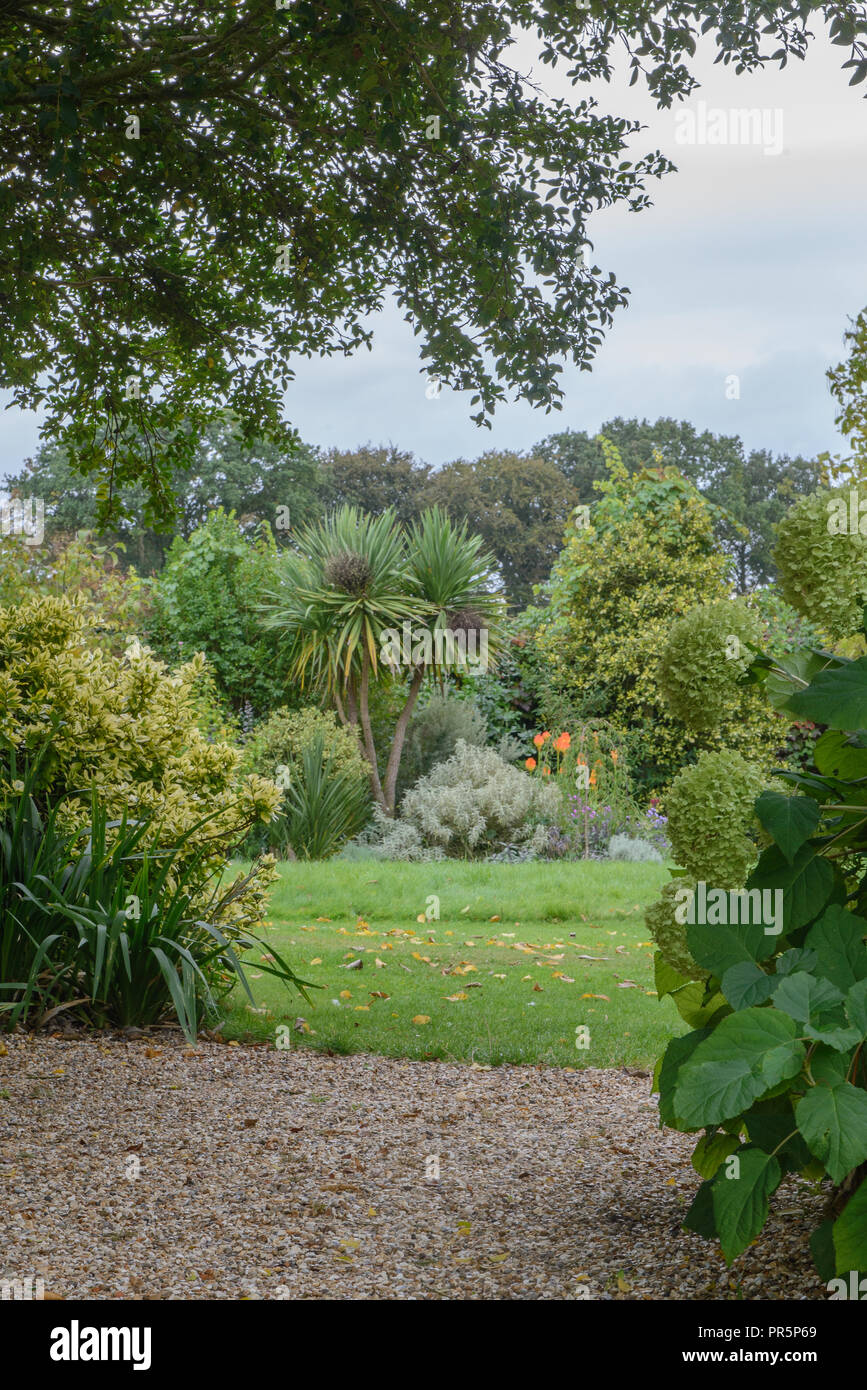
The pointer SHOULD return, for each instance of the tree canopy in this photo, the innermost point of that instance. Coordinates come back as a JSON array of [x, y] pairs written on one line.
[[192, 194]]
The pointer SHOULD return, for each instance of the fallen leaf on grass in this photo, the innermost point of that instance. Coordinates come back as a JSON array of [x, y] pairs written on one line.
[[317, 960], [453, 998], [379, 994], [346, 994], [323, 919], [353, 965], [380, 964], [596, 996], [627, 984], [421, 1018]]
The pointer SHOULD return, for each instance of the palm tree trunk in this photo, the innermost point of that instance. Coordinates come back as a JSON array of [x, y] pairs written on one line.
[[400, 728], [369, 749]]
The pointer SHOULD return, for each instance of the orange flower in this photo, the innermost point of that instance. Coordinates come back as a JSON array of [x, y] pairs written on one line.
[[546, 772], [530, 764], [614, 756], [546, 734], [538, 740], [580, 762], [562, 743], [592, 779]]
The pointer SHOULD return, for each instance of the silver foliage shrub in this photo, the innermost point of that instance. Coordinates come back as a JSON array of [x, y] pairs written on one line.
[[633, 851], [469, 806]]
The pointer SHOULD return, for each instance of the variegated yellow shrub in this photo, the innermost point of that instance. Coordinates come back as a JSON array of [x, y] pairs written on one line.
[[126, 727]]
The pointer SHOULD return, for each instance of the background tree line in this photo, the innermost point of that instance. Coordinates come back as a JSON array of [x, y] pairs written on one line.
[[518, 502]]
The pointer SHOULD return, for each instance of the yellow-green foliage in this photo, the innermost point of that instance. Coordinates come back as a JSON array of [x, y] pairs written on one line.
[[823, 568], [669, 934], [703, 659], [647, 558], [710, 810], [126, 727], [283, 736], [117, 600]]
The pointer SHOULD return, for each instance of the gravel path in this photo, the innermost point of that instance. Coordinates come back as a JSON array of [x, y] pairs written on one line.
[[146, 1169]]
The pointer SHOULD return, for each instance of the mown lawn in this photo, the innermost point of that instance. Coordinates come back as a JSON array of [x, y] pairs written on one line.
[[520, 957]]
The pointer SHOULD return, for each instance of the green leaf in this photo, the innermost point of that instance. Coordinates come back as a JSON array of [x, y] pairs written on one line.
[[838, 940], [665, 977], [827, 1067], [850, 1233], [694, 1004], [746, 1055], [805, 996], [677, 1052], [740, 1204], [833, 1033], [837, 698], [700, 1217], [822, 1250], [838, 754], [771, 1126], [833, 1120], [718, 947], [856, 1007], [806, 882], [744, 984], [791, 820], [710, 1151], [796, 958]]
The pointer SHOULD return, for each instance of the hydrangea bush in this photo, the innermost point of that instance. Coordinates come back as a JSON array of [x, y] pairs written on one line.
[[772, 1077]]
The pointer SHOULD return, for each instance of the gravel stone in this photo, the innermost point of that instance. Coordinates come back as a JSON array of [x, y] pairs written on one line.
[[141, 1168]]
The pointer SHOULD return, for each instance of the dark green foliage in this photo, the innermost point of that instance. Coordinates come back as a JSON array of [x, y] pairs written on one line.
[[324, 805], [207, 600], [94, 924]]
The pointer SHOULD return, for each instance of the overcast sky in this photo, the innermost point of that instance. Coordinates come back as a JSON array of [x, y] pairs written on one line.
[[748, 265]]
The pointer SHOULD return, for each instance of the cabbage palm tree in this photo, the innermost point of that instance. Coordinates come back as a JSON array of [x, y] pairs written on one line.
[[350, 584]]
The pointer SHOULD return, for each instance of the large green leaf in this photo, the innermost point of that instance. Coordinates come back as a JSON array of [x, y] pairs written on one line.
[[790, 673], [850, 1233], [665, 977], [740, 1204], [718, 947], [677, 1052], [838, 940], [833, 1120], [746, 1055], [822, 1249], [839, 754], [700, 1217], [856, 1007], [771, 1126], [791, 820], [711, 1150], [807, 882], [837, 698], [744, 985], [695, 1006], [805, 997]]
